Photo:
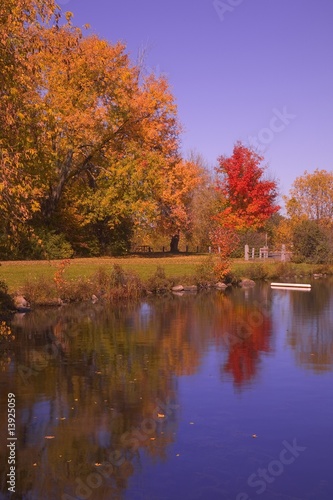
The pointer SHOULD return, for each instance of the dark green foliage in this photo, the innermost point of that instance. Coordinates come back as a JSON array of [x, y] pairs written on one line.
[[113, 240], [6, 302], [35, 244], [55, 246], [256, 272], [205, 274], [283, 270], [311, 243], [253, 271], [20, 245]]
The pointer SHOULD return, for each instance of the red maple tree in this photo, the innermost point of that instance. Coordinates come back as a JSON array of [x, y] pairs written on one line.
[[249, 199]]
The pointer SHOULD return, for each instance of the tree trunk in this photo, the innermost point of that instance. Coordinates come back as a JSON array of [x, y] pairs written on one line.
[[174, 243], [51, 202]]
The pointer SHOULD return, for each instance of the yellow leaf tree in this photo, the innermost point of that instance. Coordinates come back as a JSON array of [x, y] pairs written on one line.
[[95, 145]]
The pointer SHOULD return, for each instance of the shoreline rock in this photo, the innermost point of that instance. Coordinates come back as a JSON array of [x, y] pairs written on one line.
[[21, 304], [220, 285], [246, 283], [190, 288]]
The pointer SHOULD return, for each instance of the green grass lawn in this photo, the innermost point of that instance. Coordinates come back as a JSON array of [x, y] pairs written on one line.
[[17, 273]]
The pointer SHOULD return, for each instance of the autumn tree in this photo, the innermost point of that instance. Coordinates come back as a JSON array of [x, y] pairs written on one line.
[[311, 243], [204, 204], [280, 232], [249, 199], [20, 24], [311, 197], [91, 146]]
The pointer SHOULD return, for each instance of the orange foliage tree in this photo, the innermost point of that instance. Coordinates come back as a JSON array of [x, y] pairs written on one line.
[[89, 142], [20, 23]]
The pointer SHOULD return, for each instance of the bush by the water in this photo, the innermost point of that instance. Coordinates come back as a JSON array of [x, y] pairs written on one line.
[[204, 273], [159, 283], [283, 270], [118, 283], [311, 243], [252, 270], [6, 301], [105, 284]]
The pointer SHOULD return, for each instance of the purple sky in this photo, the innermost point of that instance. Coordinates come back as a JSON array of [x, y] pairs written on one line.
[[258, 71]]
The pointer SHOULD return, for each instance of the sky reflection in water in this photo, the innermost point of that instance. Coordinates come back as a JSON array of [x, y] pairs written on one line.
[[183, 397]]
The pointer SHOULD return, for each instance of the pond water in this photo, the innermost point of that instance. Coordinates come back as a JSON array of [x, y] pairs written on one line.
[[220, 395]]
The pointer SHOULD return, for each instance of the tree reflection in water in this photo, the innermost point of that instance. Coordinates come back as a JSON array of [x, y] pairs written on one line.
[[95, 382], [310, 328]]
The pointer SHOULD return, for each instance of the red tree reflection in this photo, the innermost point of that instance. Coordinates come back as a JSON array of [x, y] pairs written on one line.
[[250, 336]]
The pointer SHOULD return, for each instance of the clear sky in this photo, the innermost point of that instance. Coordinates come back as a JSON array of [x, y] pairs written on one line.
[[259, 71]]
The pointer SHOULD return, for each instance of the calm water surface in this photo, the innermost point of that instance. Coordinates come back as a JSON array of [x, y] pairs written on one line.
[[221, 395]]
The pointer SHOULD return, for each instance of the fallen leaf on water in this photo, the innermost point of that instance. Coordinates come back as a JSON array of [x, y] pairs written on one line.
[[160, 415]]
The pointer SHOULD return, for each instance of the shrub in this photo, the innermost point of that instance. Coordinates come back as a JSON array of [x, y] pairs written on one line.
[[117, 284], [322, 269], [114, 285], [55, 246], [124, 284], [101, 278], [6, 302], [159, 283], [283, 269], [77, 290], [311, 243], [39, 244], [205, 272], [256, 272], [40, 291]]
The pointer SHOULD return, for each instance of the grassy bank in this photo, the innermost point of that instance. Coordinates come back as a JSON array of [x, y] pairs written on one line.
[[17, 273], [112, 278]]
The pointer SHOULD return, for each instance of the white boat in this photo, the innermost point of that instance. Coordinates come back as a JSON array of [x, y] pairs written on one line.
[[291, 286]]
